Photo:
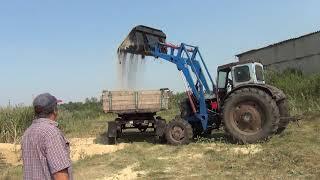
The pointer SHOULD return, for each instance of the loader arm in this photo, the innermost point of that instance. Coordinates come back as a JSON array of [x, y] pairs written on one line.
[[185, 57]]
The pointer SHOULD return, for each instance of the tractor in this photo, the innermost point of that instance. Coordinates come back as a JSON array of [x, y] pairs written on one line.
[[239, 100]]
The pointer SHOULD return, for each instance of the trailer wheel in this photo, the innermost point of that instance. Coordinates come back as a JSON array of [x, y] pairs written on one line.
[[178, 132], [112, 132], [284, 112], [111, 140], [159, 128], [250, 115]]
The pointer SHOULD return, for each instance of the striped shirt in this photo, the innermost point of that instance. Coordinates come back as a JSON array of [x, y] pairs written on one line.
[[45, 150]]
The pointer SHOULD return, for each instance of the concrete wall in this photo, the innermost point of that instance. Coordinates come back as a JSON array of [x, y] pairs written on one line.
[[302, 53]]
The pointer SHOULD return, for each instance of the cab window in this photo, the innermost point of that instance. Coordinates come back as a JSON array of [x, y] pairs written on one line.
[[222, 77], [259, 73], [242, 73]]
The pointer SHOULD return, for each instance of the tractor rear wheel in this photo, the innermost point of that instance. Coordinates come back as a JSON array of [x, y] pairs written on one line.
[[250, 115], [284, 114], [178, 132]]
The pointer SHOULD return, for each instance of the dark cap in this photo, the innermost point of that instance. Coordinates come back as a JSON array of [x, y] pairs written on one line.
[[45, 103]]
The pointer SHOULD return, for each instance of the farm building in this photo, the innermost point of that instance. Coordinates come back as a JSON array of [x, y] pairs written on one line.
[[301, 53]]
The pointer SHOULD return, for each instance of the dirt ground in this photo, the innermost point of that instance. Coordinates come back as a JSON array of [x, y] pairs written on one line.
[[86, 147], [10, 153], [127, 173], [80, 148]]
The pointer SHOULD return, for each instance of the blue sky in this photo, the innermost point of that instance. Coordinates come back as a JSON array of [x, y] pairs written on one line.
[[68, 48]]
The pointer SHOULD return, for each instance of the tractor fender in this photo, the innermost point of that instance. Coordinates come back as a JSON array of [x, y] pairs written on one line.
[[274, 92]]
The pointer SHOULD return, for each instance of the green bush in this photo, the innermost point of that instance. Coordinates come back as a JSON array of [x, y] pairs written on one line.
[[91, 108], [176, 98], [303, 91], [78, 119]]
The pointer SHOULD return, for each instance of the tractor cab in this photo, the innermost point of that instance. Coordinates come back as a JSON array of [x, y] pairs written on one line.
[[235, 74]]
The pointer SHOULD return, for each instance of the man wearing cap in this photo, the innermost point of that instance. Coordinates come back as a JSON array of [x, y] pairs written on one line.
[[45, 150]]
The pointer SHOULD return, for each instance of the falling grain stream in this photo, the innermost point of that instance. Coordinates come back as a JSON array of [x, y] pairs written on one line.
[[130, 71]]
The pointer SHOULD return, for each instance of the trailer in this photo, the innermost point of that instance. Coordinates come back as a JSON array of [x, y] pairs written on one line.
[[135, 110]]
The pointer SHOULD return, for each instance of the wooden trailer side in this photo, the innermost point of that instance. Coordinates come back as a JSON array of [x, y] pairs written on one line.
[[135, 101]]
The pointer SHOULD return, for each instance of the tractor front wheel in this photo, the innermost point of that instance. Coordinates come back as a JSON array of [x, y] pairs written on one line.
[[178, 132], [250, 115]]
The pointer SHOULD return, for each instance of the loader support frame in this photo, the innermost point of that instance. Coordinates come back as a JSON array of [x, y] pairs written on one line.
[[186, 58]]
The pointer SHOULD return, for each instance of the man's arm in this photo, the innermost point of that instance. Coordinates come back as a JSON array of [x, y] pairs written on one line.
[[57, 155], [61, 175]]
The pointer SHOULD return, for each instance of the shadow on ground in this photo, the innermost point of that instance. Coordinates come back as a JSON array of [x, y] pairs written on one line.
[[135, 136], [128, 137], [216, 136]]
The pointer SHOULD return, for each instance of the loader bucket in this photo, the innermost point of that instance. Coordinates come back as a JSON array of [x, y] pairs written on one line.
[[142, 41]]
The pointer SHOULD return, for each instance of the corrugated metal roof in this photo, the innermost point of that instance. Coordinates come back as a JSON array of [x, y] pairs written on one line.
[[281, 42]]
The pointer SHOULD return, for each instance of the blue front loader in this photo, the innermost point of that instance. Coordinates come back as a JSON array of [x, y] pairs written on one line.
[[190, 63]]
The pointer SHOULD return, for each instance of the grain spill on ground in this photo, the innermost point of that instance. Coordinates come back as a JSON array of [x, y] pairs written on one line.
[[250, 149], [10, 153], [85, 147], [241, 149], [80, 148], [190, 154], [127, 173]]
